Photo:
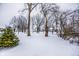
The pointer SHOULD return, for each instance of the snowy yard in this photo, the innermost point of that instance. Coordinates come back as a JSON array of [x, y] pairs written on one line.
[[39, 45]]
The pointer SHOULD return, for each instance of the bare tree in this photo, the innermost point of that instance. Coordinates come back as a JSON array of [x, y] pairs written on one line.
[[29, 7], [63, 18], [46, 10], [38, 21], [55, 17], [19, 23]]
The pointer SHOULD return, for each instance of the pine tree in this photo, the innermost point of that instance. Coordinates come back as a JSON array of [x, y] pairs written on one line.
[[8, 38]]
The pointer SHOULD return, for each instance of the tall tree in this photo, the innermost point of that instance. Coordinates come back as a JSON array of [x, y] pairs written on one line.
[[54, 16], [63, 20], [29, 7], [46, 10]]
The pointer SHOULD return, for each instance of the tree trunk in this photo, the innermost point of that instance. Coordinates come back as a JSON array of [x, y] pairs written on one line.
[[52, 28], [56, 25], [73, 21], [28, 32], [38, 29], [46, 28], [61, 27]]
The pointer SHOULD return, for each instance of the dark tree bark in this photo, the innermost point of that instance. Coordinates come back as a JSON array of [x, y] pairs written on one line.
[[46, 28], [28, 25], [30, 8], [37, 29]]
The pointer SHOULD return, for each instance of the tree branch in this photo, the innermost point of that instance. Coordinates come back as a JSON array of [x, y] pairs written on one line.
[[34, 6]]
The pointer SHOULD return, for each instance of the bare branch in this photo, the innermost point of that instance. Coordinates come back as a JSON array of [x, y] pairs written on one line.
[[34, 6]]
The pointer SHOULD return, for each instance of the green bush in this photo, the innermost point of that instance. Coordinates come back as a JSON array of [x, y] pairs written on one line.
[[8, 38]]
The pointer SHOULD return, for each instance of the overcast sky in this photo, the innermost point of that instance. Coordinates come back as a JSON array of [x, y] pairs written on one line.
[[68, 6], [7, 11]]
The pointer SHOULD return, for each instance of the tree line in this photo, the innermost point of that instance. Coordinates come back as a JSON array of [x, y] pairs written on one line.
[[49, 18]]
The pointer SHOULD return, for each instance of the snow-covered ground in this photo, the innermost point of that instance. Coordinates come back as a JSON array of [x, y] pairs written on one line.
[[39, 45]]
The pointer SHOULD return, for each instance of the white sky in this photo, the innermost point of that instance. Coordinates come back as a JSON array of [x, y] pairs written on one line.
[[7, 11], [68, 6]]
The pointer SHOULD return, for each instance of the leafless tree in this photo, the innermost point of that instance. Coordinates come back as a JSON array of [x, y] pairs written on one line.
[[37, 22], [19, 23], [46, 10], [55, 16], [29, 7]]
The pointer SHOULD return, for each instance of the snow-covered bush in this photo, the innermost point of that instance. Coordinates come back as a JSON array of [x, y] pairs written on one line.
[[8, 38], [70, 34], [74, 40]]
